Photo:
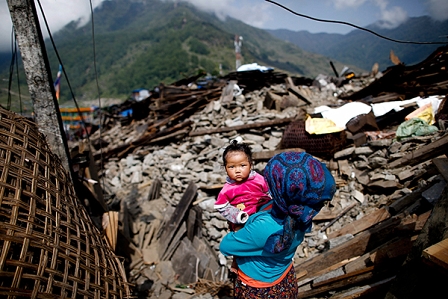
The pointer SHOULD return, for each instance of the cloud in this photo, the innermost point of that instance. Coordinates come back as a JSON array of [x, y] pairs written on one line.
[[391, 17], [57, 13], [6, 27], [343, 4], [438, 9], [254, 15]]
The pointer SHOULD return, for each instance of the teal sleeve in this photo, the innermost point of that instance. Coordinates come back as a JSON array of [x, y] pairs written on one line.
[[249, 240]]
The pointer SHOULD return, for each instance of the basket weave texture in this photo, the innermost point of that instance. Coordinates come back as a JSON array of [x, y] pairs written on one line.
[[324, 145], [49, 246]]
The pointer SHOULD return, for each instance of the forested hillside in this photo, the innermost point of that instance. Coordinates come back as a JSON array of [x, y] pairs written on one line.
[[143, 44], [363, 49]]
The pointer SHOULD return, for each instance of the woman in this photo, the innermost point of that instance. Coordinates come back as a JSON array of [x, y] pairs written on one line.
[[264, 248]]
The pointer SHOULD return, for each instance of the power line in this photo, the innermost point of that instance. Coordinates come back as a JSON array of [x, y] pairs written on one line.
[[355, 26], [63, 69], [100, 116]]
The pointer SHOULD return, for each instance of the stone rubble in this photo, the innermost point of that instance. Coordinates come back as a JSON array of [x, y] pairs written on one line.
[[365, 181]]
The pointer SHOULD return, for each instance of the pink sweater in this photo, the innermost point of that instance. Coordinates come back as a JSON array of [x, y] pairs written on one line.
[[236, 201]]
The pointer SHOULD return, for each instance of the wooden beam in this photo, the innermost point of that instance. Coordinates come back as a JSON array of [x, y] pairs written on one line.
[[434, 149], [362, 224], [359, 245], [442, 167], [338, 282], [274, 122], [348, 208], [438, 253], [294, 90], [364, 290], [172, 227], [415, 279]]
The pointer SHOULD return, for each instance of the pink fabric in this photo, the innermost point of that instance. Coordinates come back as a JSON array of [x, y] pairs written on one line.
[[252, 193]]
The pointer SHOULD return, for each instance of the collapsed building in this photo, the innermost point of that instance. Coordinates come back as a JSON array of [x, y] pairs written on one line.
[[149, 181]]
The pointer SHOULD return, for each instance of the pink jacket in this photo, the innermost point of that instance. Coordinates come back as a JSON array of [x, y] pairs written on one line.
[[236, 201]]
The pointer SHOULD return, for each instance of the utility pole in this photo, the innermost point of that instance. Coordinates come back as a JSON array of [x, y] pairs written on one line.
[[38, 76], [238, 43]]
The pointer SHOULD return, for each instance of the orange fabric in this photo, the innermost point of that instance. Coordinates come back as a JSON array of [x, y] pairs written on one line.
[[259, 284], [268, 207]]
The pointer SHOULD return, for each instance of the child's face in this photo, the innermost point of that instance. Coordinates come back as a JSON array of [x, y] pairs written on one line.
[[238, 166]]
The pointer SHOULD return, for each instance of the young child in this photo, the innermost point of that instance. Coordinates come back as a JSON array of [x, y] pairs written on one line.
[[245, 191]]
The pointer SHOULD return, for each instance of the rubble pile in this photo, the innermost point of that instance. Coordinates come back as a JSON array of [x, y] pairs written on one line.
[[162, 173]]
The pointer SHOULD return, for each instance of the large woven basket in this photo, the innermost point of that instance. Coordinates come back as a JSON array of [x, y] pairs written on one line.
[[49, 247], [323, 146]]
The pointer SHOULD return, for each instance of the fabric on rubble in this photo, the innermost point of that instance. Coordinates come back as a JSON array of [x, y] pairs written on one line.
[[414, 127], [321, 126], [340, 116]]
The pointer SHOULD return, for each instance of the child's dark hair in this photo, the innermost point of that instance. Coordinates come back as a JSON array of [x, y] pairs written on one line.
[[237, 147]]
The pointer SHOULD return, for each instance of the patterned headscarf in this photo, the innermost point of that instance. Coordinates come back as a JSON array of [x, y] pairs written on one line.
[[299, 185]]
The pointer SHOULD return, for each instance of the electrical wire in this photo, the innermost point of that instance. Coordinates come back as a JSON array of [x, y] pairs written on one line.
[[355, 26], [100, 116], [96, 79], [63, 70]]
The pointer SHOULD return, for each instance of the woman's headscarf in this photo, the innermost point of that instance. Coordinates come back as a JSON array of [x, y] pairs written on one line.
[[299, 185]]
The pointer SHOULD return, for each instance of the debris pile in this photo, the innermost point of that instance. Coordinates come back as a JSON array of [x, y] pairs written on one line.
[[161, 173]]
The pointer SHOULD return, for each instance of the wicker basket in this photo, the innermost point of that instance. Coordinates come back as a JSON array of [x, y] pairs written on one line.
[[323, 146], [49, 247]]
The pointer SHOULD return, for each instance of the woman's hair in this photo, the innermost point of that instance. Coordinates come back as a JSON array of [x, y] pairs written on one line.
[[237, 147]]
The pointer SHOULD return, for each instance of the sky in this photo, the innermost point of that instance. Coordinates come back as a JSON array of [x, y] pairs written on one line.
[[259, 13]]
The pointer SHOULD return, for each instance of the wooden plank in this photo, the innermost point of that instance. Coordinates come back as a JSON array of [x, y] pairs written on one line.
[[362, 224], [406, 200], [324, 272], [342, 281], [327, 214], [153, 227], [178, 216], [348, 208], [438, 253], [359, 245], [343, 277], [386, 252], [415, 279], [175, 242], [243, 127], [266, 155], [434, 149], [191, 221], [363, 291], [151, 133], [442, 167], [154, 191], [294, 90], [110, 225]]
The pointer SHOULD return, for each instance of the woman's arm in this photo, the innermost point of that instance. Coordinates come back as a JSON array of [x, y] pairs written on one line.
[[249, 240]]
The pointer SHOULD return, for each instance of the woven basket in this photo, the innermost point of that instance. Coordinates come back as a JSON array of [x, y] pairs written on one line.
[[49, 247], [323, 146]]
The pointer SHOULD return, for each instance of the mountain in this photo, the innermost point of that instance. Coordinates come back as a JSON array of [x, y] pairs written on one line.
[[364, 49], [140, 44]]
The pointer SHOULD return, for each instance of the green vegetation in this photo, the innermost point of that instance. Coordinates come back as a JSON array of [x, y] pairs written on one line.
[[143, 44], [364, 49]]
